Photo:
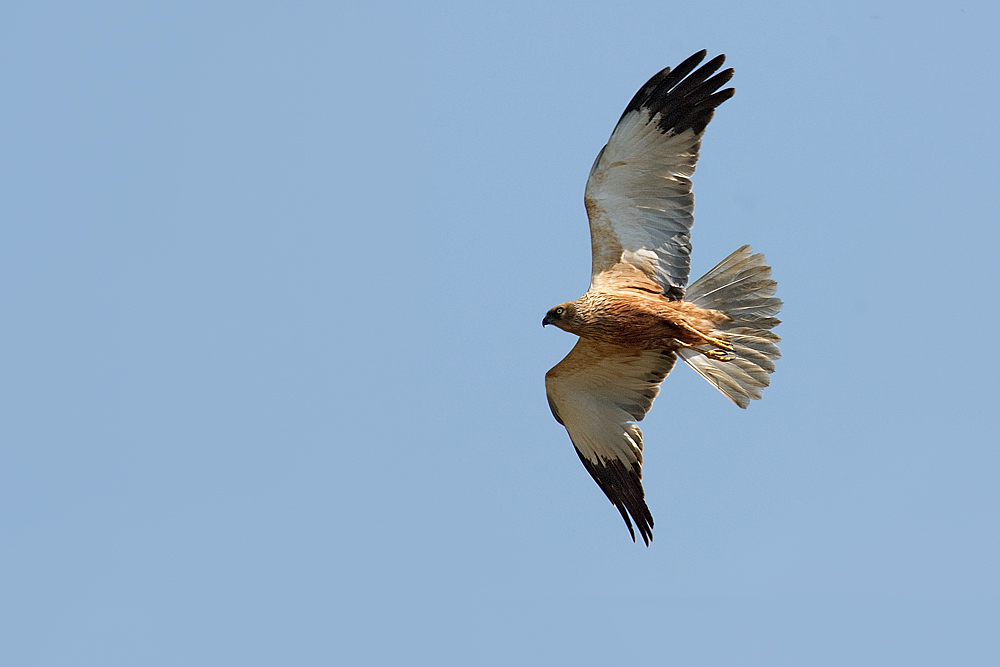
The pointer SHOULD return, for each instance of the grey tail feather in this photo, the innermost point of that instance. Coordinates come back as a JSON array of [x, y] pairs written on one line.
[[741, 287]]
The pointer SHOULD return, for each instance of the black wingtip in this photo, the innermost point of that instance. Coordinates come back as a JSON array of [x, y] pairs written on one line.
[[684, 97], [665, 78], [686, 68], [628, 524], [623, 487], [645, 531]]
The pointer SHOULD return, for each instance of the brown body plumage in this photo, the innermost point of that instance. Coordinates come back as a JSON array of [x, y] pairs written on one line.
[[638, 319]]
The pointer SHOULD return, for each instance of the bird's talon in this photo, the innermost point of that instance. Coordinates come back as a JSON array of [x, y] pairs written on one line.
[[721, 344], [719, 355]]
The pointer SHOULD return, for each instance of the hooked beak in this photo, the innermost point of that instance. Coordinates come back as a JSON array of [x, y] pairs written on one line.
[[546, 320]]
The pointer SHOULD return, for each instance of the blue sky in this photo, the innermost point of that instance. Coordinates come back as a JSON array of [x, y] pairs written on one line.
[[272, 277]]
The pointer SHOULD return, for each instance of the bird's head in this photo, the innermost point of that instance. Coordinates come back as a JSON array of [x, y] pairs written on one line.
[[563, 316]]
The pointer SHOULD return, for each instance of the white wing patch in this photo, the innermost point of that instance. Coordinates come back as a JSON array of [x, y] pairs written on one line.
[[639, 195], [598, 388]]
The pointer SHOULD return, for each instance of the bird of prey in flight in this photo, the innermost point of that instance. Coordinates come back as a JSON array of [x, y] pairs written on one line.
[[640, 314]]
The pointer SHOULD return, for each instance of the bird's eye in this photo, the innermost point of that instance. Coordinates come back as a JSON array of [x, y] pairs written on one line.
[[559, 311]]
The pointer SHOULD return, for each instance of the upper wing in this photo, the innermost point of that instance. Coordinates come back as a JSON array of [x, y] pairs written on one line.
[[595, 392], [638, 195]]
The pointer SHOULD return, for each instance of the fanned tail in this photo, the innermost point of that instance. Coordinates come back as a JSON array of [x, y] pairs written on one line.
[[741, 287]]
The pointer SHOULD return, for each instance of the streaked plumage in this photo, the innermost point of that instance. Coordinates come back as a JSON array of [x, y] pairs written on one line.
[[639, 315]]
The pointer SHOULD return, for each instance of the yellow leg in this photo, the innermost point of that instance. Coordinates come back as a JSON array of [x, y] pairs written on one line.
[[721, 344], [718, 355]]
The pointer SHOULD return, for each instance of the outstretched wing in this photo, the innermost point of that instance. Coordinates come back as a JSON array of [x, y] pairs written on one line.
[[638, 195], [596, 392]]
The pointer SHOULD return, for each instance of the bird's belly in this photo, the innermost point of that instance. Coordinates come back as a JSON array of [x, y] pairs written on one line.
[[647, 331]]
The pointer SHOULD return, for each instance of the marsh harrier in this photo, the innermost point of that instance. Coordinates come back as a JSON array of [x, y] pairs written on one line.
[[640, 314]]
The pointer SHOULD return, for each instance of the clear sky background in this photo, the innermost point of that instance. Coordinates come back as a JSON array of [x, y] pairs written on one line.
[[271, 369]]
